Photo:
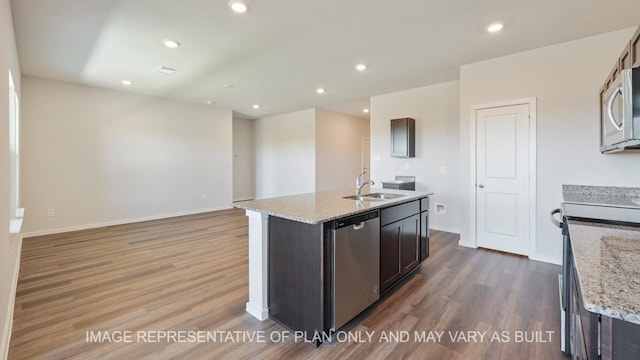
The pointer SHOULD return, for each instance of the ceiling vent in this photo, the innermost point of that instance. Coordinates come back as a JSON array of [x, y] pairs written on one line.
[[164, 70]]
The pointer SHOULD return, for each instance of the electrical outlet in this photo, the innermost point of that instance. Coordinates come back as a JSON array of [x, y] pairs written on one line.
[[204, 196], [51, 212], [407, 166], [440, 209], [443, 170]]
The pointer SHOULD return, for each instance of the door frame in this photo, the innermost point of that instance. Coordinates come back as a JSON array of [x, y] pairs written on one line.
[[532, 168]]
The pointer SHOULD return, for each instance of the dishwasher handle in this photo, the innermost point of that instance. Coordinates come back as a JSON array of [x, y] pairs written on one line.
[[357, 221]]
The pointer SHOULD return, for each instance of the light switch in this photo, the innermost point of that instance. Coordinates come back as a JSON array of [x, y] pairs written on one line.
[[443, 170], [407, 166]]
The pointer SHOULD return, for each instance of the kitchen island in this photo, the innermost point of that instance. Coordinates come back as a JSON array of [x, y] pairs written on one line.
[[290, 249]]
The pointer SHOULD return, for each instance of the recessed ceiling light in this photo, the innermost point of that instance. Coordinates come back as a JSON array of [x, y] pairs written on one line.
[[361, 67], [228, 85], [366, 111], [210, 102], [172, 44], [127, 82], [495, 27], [238, 6], [256, 106], [321, 90]]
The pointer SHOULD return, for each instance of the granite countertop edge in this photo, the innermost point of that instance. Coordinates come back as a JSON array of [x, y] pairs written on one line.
[[344, 208], [589, 302]]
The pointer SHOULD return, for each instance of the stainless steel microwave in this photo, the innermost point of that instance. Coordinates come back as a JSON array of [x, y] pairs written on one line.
[[620, 113]]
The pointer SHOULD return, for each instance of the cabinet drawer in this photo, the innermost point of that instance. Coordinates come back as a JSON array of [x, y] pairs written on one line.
[[399, 212], [424, 204]]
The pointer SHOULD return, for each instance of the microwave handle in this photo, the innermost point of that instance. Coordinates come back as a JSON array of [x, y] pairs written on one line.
[[612, 118]]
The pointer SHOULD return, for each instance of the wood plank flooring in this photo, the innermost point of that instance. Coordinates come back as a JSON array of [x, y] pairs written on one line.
[[191, 274]]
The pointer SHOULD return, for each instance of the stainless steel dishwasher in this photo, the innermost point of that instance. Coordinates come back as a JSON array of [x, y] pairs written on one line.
[[356, 266]]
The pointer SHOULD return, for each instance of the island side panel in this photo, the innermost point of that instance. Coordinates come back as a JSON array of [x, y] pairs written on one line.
[[297, 275], [258, 304]]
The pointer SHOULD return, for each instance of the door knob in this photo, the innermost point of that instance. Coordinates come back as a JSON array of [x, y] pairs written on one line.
[[481, 186]]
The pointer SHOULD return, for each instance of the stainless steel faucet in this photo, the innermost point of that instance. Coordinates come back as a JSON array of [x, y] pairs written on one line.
[[360, 184]]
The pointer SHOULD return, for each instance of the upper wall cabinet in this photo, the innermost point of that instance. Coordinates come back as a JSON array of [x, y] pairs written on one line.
[[635, 49], [403, 137]]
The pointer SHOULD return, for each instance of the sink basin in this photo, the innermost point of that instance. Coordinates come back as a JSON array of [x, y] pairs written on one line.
[[384, 196], [374, 197], [360, 198]]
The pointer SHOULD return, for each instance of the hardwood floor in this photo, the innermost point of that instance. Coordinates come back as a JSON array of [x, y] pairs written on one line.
[[191, 274]]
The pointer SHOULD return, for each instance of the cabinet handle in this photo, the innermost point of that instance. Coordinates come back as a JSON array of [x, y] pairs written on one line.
[[612, 118], [481, 186]]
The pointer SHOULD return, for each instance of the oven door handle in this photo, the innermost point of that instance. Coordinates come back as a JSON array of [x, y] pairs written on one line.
[[553, 218]]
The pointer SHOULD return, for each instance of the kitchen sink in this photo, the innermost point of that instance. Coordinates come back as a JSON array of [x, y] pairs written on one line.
[[360, 198], [384, 196], [374, 197]]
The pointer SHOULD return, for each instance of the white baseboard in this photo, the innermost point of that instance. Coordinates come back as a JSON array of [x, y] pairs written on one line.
[[8, 325], [468, 244], [121, 222], [445, 229], [546, 259]]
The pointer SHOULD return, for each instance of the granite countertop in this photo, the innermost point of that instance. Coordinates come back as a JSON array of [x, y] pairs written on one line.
[[602, 195], [607, 259], [314, 208]]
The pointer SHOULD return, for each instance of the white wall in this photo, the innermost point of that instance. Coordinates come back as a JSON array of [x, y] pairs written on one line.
[[285, 154], [565, 79], [338, 149], [9, 244], [243, 160], [100, 157], [436, 111]]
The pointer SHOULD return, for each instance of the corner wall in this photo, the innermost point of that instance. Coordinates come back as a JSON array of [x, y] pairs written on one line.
[[244, 164], [436, 111], [102, 157], [565, 79], [338, 149], [285, 154]]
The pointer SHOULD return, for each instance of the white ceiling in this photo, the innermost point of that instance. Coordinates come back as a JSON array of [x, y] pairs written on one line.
[[280, 51]]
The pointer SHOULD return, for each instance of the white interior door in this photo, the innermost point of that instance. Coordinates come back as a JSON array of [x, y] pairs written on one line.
[[502, 178]]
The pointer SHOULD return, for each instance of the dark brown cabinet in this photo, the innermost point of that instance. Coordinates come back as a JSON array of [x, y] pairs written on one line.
[[399, 242], [301, 264], [629, 58], [410, 244], [390, 269], [403, 137], [634, 49], [424, 229]]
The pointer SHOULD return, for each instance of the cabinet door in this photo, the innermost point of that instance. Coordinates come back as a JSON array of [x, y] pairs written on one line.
[[403, 137], [625, 58], [390, 269], [410, 244], [424, 235], [635, 49]]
